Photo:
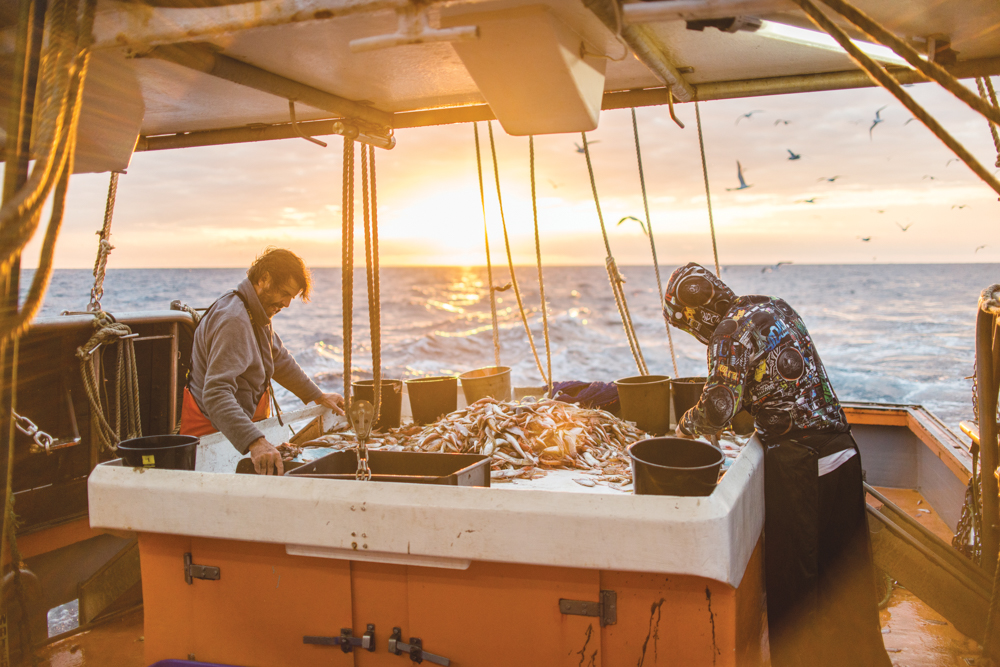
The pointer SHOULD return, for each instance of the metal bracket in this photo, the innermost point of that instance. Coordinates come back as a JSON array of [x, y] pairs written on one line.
[[606, 609], [192, 571], [415, 649], [346, 641]]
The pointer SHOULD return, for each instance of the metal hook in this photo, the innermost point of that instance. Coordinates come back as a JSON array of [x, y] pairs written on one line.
[[298, 130], [670, 103]]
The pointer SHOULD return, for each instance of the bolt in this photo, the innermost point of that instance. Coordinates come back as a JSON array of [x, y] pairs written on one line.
[[354, 545]]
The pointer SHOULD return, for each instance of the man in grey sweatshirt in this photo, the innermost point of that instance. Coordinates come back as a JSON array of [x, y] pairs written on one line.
[[236, 353]]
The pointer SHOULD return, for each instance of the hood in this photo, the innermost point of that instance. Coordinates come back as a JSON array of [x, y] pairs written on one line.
[[696, 301]]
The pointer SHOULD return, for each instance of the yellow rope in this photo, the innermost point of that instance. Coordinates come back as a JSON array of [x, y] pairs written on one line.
[[489, 264], [371, 271], [538, 262], [104, 247], [652, 244], [708, 193], [992, 99], [126, 382], [347, 262], [510, 260]]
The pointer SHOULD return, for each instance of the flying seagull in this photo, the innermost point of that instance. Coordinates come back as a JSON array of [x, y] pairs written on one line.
[[748, 115], [880, 210], [783, 121], [739, 174], [978, 249], [806, 201], [878, 119], [954, 159], [911, 118], [829, 179], [866, 239], [579, 148], [927, 176], [642, 225], [959, 206], [555, 186], [904, 228], [793, 155]]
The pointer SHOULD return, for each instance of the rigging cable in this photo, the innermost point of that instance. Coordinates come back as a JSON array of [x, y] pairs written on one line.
[[510, 260], [708, 193], [615, 276], [104, 247], [489, 264], [371, 271], [652, 244], [992, 99], [538, 261], [347, 262]]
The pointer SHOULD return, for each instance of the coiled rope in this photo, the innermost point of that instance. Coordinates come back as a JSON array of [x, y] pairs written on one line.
[[489, 264], [126, 383], [993, 100], [708, 193], [510, 261], [615, 276], [347, 262], [538, 262], [104, 247], [371, 271], [652, 244]]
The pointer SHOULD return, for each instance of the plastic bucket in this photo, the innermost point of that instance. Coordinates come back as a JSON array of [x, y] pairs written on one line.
[[645, 400], [686, 392], [392, 401], [675, 467], [492, 381], [430, 398], [171, 452]]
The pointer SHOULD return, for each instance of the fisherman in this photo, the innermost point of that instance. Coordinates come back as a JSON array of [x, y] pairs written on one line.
[[236, 354], [821, 600]]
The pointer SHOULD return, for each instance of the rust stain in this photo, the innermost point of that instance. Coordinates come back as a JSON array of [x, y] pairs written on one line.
[[583, 651], [654, 631], [711, 619]]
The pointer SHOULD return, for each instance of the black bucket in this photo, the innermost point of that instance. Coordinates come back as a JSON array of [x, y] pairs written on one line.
[[675, 467], [645, 400], [171, 452], [392, 401], [685, 392], [430, 398]]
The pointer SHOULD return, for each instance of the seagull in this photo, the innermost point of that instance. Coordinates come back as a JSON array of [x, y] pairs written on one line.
[[878, 119], [739, 174], [783, 121], [642, 225], [904, 228], [978, 249], [829, 179], [911, 118], [792, 155], [806, 201], [580, 149], [954, 159], [959, 206], [555, 186], [748, 115], [866, 239], [880, 210], [927, 176]]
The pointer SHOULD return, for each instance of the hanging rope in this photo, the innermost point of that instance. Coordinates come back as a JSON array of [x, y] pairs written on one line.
[[371, 271], [126, 385], [538, 262], [708, 193], [510, 262], [489, 265], [652, 244], [104, 247], [993, 100], [880, 76], [347, 262], [615, 276]]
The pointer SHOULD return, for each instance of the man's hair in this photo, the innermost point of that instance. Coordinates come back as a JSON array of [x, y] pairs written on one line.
[[281, 265]]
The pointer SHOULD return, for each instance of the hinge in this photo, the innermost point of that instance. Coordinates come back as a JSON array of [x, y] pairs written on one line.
[[606, 609], [192, 571]]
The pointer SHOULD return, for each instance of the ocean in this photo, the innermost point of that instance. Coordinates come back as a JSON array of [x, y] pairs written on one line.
[[886, 333]]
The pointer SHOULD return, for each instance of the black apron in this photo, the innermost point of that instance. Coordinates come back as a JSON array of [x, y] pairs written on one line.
[[821, 600]]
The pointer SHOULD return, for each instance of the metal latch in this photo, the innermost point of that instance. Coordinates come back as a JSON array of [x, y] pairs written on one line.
[[192, 571], [415, 649], [606, 609], [347, 641]]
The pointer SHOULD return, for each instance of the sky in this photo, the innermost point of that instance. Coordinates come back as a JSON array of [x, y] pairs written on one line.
[[220, 206]]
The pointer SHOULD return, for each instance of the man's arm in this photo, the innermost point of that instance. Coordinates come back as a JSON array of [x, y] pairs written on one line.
[[729, 364], [231, 350]]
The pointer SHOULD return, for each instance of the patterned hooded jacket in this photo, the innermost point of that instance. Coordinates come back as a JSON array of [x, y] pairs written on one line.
[[760, 357]]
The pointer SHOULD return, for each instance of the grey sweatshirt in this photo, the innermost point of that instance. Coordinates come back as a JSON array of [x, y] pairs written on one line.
[[229, 371]]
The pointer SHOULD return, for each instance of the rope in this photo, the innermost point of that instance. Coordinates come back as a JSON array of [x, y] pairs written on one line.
[[708, 193], [652, 244], [347, 262], [880, 76], [371, 272], [104, 248], [489, 265], [126, 382], [615, 276], [538, 262], [993, 99], [510, 262]]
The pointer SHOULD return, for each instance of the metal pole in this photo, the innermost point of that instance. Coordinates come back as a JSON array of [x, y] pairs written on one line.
[[987, 376]]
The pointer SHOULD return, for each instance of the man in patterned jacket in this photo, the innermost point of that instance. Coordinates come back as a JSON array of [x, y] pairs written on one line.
[[820, 579]]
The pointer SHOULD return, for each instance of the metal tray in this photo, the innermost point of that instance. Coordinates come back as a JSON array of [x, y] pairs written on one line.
[[413, 467]]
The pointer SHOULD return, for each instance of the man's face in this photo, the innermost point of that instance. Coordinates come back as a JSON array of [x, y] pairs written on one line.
[[274, 297]]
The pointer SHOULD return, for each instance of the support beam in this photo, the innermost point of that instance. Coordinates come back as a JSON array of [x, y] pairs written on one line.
[[202, 58]]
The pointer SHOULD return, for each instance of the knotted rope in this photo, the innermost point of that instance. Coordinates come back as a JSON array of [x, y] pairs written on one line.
[[104, 247], [489, 264], [708, 193], [652, 244], [371, 271], [993, 100], [538, 262], [615, 276], [510, 262], [126, 382], [347, 262]]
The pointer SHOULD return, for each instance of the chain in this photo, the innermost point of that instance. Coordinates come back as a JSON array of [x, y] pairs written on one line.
[[363, 473], [43, 441]]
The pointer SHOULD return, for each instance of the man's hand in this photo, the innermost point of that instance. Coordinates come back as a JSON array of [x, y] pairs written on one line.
[[266, 458], [333, 401], [681, 434]]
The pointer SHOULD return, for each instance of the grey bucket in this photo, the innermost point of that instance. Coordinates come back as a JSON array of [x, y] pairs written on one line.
[[645, 400], [492, 381]]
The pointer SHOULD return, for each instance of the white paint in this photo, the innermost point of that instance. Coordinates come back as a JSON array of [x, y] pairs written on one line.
[[711, 537]]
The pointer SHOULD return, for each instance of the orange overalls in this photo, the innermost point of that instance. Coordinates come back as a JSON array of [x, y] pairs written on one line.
[[194, 422]]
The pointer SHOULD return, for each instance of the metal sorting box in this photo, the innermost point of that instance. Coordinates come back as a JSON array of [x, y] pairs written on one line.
[[413, 467]]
